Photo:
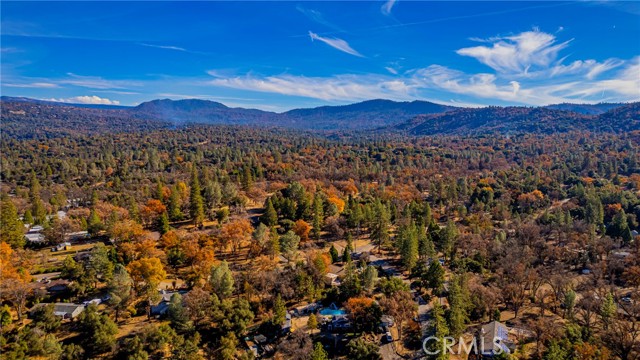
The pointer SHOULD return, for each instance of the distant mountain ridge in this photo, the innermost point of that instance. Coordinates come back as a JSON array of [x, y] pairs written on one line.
[[587, 109], [180, 112], [363, 115], [26, 118], [522, 119]]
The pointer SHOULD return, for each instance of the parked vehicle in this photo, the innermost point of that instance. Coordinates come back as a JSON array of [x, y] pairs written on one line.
[[388, 337]]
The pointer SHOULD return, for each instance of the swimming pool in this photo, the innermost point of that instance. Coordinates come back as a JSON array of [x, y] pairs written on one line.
[[332, 312]]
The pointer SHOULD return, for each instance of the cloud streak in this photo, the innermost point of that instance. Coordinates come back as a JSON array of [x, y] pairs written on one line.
[[165, 47], [335, 43], [96, 82], [33, 85], [386, 8], [317, 17]]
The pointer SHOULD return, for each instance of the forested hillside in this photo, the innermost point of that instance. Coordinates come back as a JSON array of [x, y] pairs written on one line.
[[232, 242], [517, 120], [26, 118]]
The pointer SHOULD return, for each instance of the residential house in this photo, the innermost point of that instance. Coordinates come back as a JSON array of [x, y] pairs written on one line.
[[63, 310], [35, 238], [339, 323], [34, 235], [77, 236], [36, 229], [493, 340], [58, 286], [162, 306], [332, 279], [306, 309]]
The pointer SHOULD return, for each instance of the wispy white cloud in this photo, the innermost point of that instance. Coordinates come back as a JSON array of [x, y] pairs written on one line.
[[317, 17], [517, 53], [387, 6], [93, 100], [391, 70], [336, 88], [96, 82], [7, 50], [33, 85], [335, 43], [166, 47], [597, 68], [119, 92]]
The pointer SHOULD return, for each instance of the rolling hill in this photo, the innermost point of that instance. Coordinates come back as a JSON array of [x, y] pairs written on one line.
[[522, 120], [29, 118]]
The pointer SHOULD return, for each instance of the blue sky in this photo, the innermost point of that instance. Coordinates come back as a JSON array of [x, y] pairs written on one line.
[[283, 55]]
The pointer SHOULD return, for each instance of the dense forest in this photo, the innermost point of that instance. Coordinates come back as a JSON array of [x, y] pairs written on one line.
[[230, 242]]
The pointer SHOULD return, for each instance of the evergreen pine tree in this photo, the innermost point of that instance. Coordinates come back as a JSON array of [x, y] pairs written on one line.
[[318, 216], [319, 352], [163, 223], [270, 216], [335, 257], [11, 229], [439, 330], [196, 202]]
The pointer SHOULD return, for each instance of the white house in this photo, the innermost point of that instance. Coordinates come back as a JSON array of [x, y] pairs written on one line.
[[35, 238], [64, 310]]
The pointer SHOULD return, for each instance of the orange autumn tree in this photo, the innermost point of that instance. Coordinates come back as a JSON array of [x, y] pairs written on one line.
[[15, 279], [365, 313], [132, 241], [199, 255], [169, 240], [339, 203], [152, 211], [147, 273], [302, 229], [235, 233], [529, 200], [201, 265]]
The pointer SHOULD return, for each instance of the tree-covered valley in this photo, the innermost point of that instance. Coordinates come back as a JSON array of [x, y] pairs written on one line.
[[225, 242]]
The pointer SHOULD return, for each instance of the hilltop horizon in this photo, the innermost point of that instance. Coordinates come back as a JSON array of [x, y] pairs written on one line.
[[286, 56], [250, 107]]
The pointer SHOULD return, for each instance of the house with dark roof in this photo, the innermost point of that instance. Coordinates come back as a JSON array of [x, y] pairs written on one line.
[[58, 286], [339, 324]]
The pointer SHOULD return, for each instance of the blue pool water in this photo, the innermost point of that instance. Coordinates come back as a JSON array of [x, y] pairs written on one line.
[[332, 312]]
